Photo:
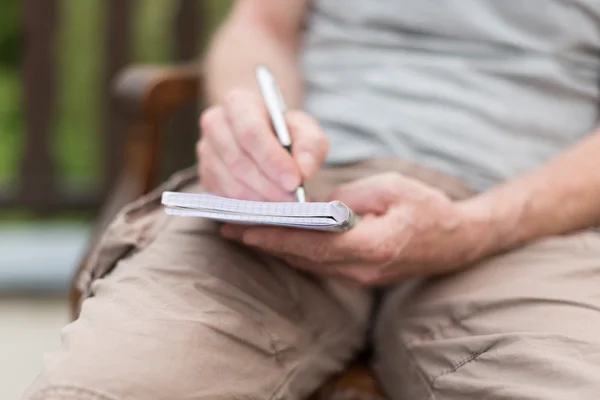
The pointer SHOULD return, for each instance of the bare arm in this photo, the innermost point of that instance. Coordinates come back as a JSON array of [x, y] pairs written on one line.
[[257, 31], [411, 230], [560, 197]]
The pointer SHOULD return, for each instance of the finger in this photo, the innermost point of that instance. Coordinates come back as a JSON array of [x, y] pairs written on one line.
[[309, 144], [365, 275], [320, 247], [371, 195], [215, 176], [233, 232], [218, 133], [252, 130], [237, 232]]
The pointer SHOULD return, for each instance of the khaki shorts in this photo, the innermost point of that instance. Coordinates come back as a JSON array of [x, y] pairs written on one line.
[[172, 311]]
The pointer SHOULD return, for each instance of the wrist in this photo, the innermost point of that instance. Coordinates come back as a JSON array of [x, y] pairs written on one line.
[[489, 227]]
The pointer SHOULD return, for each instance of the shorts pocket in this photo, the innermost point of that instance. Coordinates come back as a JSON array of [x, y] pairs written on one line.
[[132, 229]]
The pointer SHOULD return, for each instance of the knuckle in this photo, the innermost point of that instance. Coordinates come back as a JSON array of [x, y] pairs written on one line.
[[312, 124], [322, 144], [205, 173], [295, 118], [363, 280], [237, 164], [211, 119], [363, 277], [251, 133], [316, 142], [320, 253], [339, 191], [383, 253], [233, 97], [205, 153], [237, 96], [300, 118], [335, 193], [205, 176], [235, 191], [201, 148], [392, 178], [370, 280]]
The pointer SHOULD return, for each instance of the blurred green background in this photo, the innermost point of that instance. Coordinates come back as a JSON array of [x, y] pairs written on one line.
[[79, 53], [39, 254]]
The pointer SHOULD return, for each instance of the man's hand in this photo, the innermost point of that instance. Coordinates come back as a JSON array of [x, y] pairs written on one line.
[[408, 229], [240, 157]]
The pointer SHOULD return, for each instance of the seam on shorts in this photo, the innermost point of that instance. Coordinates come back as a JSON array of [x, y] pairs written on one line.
[[297, 368], [427, 383], [72, 391], [294, 370], [439, 330], [97, 272], [272, 343], [462, 363], [143, 204]]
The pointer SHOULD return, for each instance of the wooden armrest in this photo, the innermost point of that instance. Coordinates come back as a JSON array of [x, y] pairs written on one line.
[[147, 96], [151, 93]]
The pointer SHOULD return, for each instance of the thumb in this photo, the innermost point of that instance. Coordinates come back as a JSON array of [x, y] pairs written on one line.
[[371, 195], [309, 144]]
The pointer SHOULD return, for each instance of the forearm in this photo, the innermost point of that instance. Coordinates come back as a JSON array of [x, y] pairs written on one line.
[[239, 45], [560, 197]]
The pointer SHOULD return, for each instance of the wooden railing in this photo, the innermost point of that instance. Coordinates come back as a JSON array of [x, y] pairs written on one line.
[[37, 187]]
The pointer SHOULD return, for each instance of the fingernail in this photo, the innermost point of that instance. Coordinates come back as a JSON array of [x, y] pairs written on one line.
[[307, 163], [289, 181]]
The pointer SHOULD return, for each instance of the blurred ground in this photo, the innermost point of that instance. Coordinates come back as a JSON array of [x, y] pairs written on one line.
[[29, 327], [36, 266]]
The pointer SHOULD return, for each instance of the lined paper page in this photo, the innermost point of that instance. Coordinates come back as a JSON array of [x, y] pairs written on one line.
[[215, 203], [321, 216]]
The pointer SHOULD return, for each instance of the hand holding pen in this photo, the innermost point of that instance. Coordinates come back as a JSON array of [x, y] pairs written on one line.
[[276, 108], [241, 153]]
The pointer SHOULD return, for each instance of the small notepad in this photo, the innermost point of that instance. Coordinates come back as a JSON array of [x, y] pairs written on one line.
[[328, 216]]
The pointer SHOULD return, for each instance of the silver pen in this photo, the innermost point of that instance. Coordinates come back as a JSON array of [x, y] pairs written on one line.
[[276, 107]]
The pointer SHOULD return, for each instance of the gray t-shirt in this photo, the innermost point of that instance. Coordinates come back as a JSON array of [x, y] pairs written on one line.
[[480, 89]]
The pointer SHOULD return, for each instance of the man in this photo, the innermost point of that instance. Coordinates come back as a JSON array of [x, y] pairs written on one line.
[[464, 134]]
